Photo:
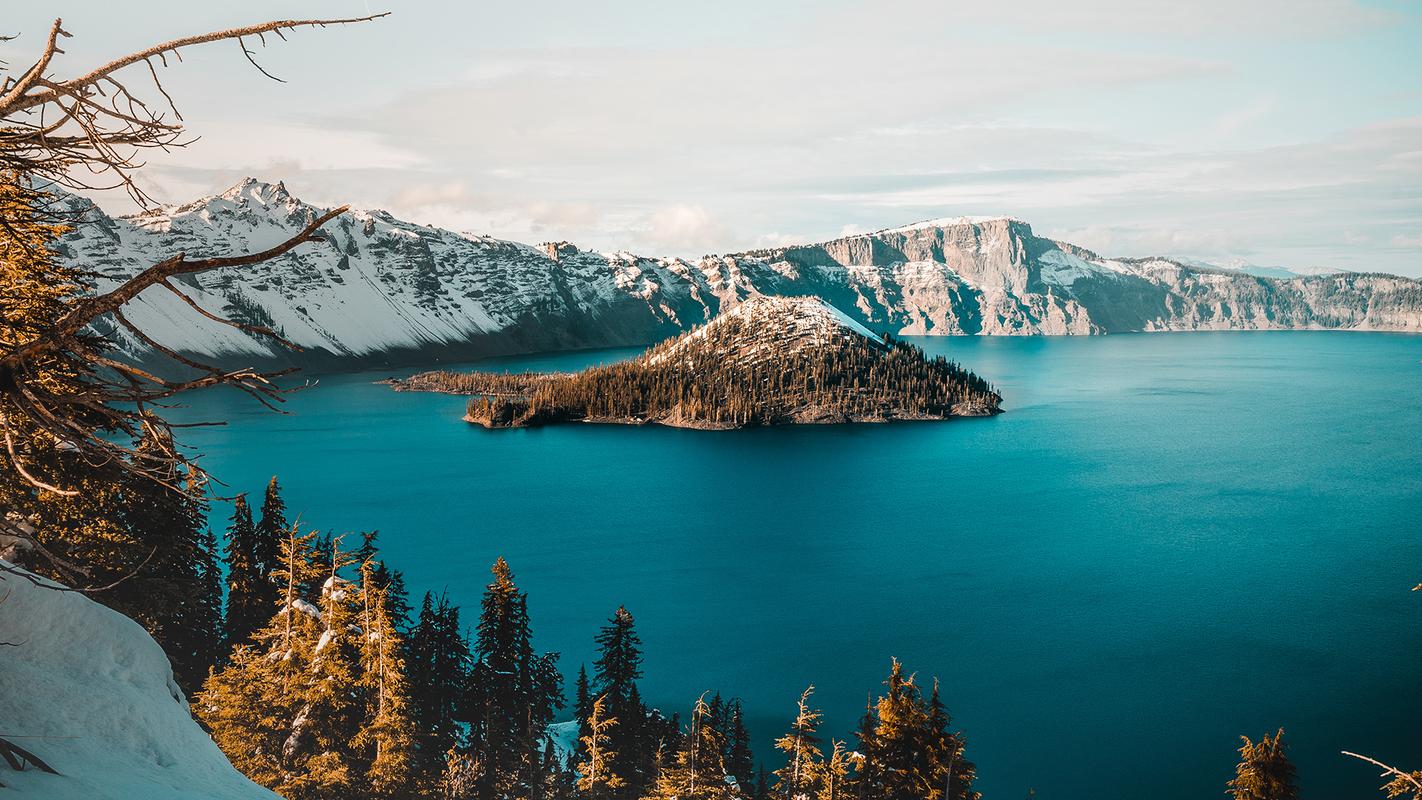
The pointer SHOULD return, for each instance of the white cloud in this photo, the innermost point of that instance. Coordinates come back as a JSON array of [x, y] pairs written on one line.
[[419, 196], [683, 230]]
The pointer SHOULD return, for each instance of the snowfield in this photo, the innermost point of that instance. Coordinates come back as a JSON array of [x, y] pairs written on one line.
[[90, 692]]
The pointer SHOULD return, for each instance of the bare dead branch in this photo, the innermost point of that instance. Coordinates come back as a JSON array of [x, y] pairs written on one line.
[[1388, 772], [23, 102]]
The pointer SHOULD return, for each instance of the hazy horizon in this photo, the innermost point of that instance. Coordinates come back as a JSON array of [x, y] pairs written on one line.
[[1276, 133]]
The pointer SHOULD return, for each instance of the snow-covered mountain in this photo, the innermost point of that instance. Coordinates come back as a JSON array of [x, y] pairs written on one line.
[[381, 290], [90, 693]]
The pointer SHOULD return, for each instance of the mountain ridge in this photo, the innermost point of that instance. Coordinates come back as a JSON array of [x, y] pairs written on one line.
[[383, 291]]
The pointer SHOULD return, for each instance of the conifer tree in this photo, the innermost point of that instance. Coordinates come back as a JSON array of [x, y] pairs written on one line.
[[615, 672], [250, 592], [582, 707], [271, 529], [438, 662], [559, 781], [698, 771], [388, 737], [172, 594], [460, 778], [598, 781], [390, 581], [513, 693], [1264, 771], [957, 773], [835, 781], [868, 767], [901, 739], [252, 704], [762, 785], [334, 702], [801, 776], [740, 762]]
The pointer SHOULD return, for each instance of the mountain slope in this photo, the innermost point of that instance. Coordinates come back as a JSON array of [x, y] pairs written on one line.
[[767, 361], [381, 290], [88, 691]]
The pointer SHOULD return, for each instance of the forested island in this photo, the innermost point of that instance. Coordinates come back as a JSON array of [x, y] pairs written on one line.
[[767, 361]]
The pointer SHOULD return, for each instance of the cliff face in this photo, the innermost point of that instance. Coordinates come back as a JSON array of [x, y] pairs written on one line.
[[381, 290]]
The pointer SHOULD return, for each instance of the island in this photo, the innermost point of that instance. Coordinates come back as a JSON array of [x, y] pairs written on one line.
[[764, 361]]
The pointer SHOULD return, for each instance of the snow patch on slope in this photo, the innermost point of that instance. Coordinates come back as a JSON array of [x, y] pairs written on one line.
[[90, 692], [772, 324]]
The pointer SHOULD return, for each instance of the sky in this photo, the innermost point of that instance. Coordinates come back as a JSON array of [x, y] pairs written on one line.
[[1274, 132]]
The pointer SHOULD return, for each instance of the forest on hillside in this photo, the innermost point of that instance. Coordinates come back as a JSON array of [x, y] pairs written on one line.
[[729, 375]]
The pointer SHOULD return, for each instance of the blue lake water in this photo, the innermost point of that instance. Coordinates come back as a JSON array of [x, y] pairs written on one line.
[[1167, 541]]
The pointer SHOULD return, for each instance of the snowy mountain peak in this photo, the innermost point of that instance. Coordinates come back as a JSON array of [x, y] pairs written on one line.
[[251, 190]]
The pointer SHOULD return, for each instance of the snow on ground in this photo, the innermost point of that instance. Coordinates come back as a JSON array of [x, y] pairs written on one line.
[[564, 736], [1062, 268], [90, 692], [947, 222], [784, 324]]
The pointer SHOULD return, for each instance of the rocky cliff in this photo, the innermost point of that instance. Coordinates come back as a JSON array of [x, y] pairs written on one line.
[[381, 290]]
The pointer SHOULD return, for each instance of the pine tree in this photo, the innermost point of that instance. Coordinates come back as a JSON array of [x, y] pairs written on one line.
[[333, 701], [901, 740], [868, 768], [835, 781], [172, 594], [559, 782], [615, 672], [1264, 771], [762, 785], [250, 591], [513, 693], [212, 647], [437, 659], [801, 776], [952, 771], [270, 528], [388, 736], [740, 762], [698, 771], [582, 708], [390, 581], [598, 781], [252, 705]]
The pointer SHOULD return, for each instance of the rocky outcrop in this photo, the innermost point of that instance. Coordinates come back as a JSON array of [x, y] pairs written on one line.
[[380, 290]]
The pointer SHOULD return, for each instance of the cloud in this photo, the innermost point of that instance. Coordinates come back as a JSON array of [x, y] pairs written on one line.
[[1124, 240], [1405, 240], [683, 230], [419, 196], [1140, 127], [1293, 18], [1232, 122]]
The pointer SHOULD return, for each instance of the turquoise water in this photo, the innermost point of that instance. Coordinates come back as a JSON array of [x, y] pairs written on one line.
[[1167, 541]]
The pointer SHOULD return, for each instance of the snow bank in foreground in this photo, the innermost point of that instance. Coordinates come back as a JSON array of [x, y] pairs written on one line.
[[90, 692]]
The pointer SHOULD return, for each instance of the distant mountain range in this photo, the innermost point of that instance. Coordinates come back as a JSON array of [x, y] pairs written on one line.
[[380, 290]]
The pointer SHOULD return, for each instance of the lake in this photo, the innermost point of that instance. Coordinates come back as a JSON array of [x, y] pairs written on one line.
[[1166, 541]]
